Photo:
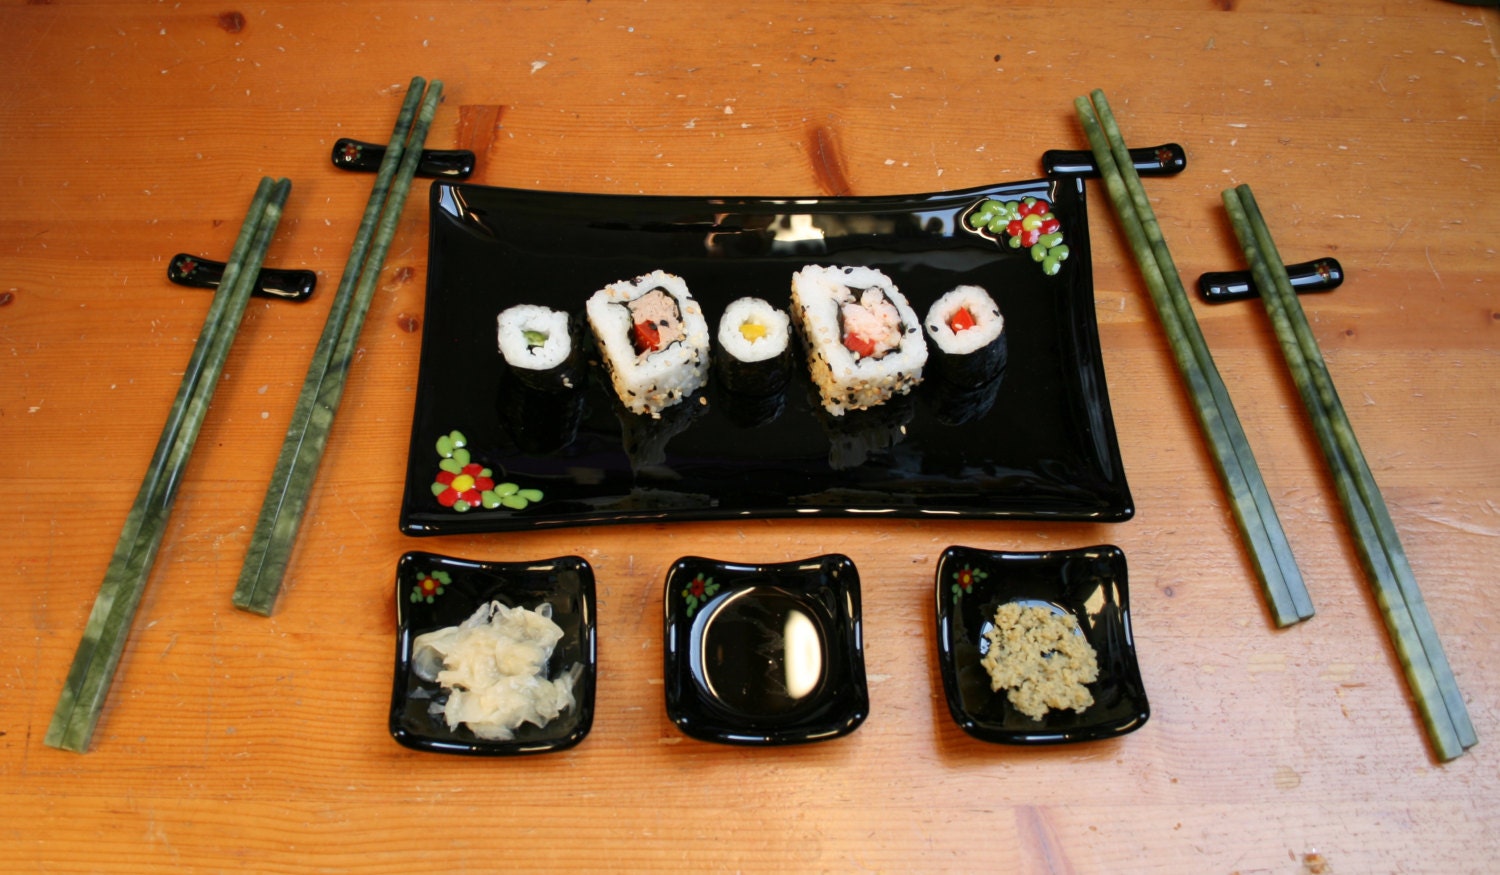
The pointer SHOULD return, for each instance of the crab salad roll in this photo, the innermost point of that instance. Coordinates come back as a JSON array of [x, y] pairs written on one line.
[[864, 343], [537, 343], [754, 347], [653, 340], [968, 334]]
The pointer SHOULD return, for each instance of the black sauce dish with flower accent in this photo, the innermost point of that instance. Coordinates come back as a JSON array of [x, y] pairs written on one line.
[[436, 592], [764, 654], [1090, 585]]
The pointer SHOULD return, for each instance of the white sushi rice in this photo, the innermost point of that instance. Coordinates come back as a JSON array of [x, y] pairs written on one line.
[[650, 383], [847, 381], [757, 312], [988, 323], [513, 325]]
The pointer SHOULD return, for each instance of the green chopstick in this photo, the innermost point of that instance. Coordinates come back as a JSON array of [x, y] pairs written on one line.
[[103, 643], [1428, 673], [1250, 503], [281, 513]]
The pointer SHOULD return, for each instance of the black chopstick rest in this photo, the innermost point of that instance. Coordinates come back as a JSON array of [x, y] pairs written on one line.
[[201, 273], [1319, 275], [435, 163], [1166, 160]]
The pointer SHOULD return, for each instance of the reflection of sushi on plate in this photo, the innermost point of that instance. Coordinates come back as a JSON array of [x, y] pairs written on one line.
[[744, 410], [540, 421], [754, 349], [864, 341], [653, 340], [537, 343], [645, 438], [968, 336], [953, 404], [854, 437]]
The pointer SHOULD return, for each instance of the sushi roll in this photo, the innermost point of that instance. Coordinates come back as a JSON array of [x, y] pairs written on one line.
[[968, 334], [754, 347], [537, 343], [653, 340], [864, 342]]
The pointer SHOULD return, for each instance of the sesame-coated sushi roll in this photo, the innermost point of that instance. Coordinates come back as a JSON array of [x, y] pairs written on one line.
[[754, 347], [653, 339], [537, 343], [968, 332], [864, 342]]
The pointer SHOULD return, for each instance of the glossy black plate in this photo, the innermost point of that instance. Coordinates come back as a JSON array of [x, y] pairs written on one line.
[[1038, 442], [764, 654], [434, 592], [1089, 583]]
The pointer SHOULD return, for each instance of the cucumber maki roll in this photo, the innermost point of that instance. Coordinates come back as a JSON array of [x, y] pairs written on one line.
[[537, 343]]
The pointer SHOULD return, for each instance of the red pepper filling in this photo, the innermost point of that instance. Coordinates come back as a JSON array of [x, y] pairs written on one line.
[[859, 346], [961, 320], [646, 337]]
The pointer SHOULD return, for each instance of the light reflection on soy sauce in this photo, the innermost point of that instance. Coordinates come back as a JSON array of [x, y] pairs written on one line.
[[759, 651]]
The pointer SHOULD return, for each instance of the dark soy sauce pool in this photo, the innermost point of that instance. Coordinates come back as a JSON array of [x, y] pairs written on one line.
[[761, 652]]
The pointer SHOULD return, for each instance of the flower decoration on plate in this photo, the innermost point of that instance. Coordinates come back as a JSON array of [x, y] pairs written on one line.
[[462, 484], [698, 591], [1027, 224], [965, 578], [430, 585]]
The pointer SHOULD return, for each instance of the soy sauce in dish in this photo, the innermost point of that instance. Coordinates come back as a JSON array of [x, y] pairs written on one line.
[[760, 651]]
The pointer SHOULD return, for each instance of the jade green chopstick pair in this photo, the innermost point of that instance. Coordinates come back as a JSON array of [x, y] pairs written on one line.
[[1417, 646], [98, 655], [296, 468], [1405, 611]]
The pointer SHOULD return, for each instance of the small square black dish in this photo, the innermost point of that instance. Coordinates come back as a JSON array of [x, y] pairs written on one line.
[[434, 592], [1088, 583], [765, 654]]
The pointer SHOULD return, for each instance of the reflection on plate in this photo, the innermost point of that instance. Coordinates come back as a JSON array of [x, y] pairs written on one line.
[[1038, 441], [764, 654], [1088, 583], [435, 592]]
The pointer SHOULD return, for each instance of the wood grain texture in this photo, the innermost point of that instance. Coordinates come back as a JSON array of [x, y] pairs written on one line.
[[232, 742]]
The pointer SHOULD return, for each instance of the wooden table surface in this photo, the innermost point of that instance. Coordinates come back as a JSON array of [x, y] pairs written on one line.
[[231, 741]]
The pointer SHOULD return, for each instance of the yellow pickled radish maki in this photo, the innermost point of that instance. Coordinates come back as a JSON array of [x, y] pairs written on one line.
[[754, 347]]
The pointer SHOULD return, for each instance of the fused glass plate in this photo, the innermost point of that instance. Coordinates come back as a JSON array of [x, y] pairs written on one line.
[[435, 592], [764, 654], [1036, 441], [1090, 585]]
